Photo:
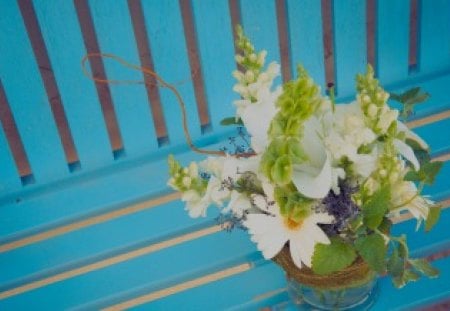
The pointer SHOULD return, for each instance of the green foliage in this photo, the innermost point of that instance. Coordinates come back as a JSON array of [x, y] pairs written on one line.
[[403, 269], [231, 121], [329, 258], [292, 203], [426, 174], [185, 178], [422, 155], [408, 99], [433, 216], [372, 249], [376, 207], [299, 100], [424, 267]]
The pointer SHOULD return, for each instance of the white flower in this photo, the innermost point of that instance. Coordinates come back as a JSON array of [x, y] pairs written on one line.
[[404, 195], [313, 178], [271, 232], [401, 127], [407, 152], [195, 204], [238, 204], [257, 117]]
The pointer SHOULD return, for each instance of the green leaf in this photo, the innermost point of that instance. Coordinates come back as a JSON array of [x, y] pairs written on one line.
[[410, 275], [433, 216], [332, 257], [231, 121], [412, 176], [376, 207], [373, 250], [424, 267], [282, 170], [430, 170], [426, 174], [396, 264]]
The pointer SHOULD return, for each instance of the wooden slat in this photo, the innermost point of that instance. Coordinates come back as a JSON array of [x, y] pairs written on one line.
[[434, 22], [214, 39], [350, 43], [306, 38], [190, 35], [98, 70], [163, 21], [420, 244], [59, 25], [13, 140], [130, 101], [392, 42], [27, 98], [146, 58], [259, 21], [48, 78], [283, 38]]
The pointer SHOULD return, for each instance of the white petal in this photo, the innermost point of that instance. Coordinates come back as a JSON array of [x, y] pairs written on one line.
[[259, 223], [271, 244], [321, 218], [407, 152], [411, 135], [311, 186], [295, 250]]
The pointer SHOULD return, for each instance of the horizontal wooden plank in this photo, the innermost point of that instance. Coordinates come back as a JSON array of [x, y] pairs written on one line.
[[253, 292], [26, 215], [40, 258]]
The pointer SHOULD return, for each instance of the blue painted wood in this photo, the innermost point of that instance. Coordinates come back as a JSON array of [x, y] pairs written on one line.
[[251, 285], [115, 35], [305, 34], [216, 49], [412, 297], [142, 274], [350, 43], [434, 36], [59, 25], [439, 144], [260, 279], [27, 98], [260, 24], [148, 227], [392, 42], [170, 55], [88, 196], [9, 176]]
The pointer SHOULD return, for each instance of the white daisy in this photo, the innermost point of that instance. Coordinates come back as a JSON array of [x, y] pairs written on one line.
[[271, 232]]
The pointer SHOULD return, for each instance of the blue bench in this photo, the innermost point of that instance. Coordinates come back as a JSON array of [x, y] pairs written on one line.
[[86, 218]]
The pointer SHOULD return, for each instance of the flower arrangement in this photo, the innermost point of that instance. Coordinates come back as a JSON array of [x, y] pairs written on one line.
[[316, 183]]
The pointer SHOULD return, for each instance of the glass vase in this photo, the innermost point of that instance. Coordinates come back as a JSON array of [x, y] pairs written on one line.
[[359, 296]]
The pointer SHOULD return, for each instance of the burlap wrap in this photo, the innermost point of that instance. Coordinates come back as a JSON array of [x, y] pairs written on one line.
[[356, 274]]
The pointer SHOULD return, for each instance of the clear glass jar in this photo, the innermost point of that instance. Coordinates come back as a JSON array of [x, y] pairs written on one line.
[[356, 297]]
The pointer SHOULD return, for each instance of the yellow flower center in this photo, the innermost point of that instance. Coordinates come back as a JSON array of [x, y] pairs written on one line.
[[292, 224]]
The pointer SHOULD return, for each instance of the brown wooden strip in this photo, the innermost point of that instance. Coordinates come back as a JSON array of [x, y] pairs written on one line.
[[371, 24], [235, 14], [328, 42], [134, 208], [109, 261], [46, 71], [212, 277], [190, 35], [428, 119], [283, 38], [13, 136], [98, 71], [146, 59], [413, 34]]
